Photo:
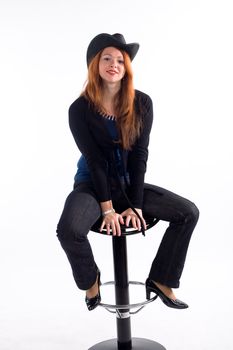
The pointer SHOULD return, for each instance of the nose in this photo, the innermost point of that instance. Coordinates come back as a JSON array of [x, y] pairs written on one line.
[[113, 63]]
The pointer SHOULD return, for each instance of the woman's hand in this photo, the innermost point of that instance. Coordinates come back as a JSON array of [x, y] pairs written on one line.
[[133, 218], [112, 221]]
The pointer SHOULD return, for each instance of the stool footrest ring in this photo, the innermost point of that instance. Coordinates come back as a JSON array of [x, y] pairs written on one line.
[[118, 307]]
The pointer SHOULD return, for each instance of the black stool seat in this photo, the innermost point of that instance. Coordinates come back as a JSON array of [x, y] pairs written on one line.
[[125, 230], [122, 308]]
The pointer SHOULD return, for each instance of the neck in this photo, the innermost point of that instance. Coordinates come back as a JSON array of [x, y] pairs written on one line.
[[109, 93], [110, 90]]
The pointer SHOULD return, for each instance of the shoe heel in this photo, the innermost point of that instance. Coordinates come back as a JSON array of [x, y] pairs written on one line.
[[148, 294]]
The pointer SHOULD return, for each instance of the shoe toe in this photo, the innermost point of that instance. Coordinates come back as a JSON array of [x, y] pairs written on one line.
[[180, 304]]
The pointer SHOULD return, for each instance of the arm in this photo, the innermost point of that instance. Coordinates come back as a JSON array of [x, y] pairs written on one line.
[[87, 145], [137, 159]]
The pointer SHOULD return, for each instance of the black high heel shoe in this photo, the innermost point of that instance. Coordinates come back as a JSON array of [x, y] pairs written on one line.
[[151, 287], [92, 303]]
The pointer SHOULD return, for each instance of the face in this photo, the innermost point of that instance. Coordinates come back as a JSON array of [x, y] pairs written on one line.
[[111, 65]]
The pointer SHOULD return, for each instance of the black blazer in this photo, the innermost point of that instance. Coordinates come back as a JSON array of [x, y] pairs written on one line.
[[94, 142]]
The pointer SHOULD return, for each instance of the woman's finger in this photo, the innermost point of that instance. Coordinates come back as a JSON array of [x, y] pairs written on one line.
[[118, 228], [134, 223], [127, 221], [108, 228], [144, 223], [138, 224], [113, 228], [102, 226], [121, 220]]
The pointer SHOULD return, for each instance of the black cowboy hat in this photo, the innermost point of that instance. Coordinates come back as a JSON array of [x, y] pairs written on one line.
[[101, 41]]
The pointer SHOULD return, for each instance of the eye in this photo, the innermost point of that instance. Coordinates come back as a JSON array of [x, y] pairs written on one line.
[[121, 61]]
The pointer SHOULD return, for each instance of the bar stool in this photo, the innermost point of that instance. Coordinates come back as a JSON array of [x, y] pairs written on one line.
[[123, 308]]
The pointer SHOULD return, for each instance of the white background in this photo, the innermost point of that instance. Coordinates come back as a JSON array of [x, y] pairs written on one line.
[[185, 65]]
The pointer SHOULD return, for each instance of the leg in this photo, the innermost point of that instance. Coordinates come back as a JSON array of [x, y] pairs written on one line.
[[182, 216], [80, 212]]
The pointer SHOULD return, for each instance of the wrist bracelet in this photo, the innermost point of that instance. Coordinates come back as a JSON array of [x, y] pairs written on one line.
[[108, 212]]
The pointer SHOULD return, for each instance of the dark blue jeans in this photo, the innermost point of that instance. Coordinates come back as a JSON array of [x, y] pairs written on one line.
[[82, 210]]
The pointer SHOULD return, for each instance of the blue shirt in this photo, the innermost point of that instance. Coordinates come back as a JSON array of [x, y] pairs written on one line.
[[83, 173]]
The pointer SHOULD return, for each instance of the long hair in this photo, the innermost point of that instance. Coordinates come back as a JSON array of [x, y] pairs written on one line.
[[128, 122]]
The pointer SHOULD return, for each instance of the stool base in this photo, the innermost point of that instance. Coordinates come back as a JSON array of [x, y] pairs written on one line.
[[137, 344]]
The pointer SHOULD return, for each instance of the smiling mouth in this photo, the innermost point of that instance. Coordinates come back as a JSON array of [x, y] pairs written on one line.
[[112, 72]]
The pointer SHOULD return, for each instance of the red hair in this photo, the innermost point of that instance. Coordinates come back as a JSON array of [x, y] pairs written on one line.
[[128, 122]]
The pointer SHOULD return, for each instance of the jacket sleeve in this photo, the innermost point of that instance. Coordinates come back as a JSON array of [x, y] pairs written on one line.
[[97, 163], [137, 158]]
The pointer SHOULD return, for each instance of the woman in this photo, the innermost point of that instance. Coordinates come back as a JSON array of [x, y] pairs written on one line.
[[111, 124]]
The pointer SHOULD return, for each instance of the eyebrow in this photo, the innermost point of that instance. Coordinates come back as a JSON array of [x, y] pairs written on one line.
[[108, 54]]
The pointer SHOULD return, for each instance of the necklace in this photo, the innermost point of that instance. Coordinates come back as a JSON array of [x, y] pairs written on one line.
[[107, 116]]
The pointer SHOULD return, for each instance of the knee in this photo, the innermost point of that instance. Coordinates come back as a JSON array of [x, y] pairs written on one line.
[[74, 229], [64, 231], [193, 214], [67, 232], [80, 212]]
